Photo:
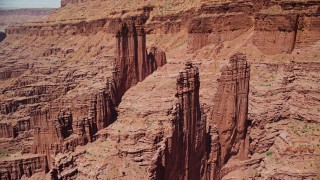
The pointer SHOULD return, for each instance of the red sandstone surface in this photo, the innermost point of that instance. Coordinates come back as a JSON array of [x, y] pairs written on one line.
[[163, 90]]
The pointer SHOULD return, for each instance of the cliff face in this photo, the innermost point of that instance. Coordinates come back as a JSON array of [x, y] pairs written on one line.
[[281, 107], [193, 151], [132, 65], [26, 12], [287, 25], [61, 124], [185, 152], [295, 26], [95, 98], [231, 109], [229, 124], [217, 23], [15, 169]]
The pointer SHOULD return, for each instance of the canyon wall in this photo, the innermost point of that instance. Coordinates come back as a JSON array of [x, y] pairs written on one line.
[[78, 26], [231, 108], [132, 61], [195, 152], [295, 26], [131, 55], [229, 125], [63, 123], [27, 166], [52, 105], [66, 29], [185, 150], [6, 130], [286, 25], [131, 66], [283, 95], [217, 23]]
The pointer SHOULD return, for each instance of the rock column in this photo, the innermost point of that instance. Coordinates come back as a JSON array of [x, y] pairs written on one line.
[[230, 114], [183, 156]]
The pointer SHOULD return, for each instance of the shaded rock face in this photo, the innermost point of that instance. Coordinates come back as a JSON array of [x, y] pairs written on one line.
[[132, 61], [131, 66], [6, 130], [57, 129], [193, 152], [285, 30], [131, 55], [9, 131], [230, 113], [2, 36], [186, 148], [218, 23], [15, 169], [229, 126], [156, 58]]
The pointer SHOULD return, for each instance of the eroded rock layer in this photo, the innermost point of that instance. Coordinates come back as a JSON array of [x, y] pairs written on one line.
[[229, 124], [287, 29], [64, 124], [78, 89], [26, 166], [183, 157]]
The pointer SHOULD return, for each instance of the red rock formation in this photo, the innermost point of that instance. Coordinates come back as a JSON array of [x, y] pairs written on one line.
[[12, 105], [156, 58], [51, 133], [15, 169], [11, 131], [59, 130], [285, 26], [284, 31], [6, 130], [78, 26], [183, 156], [82, 27], [102, 111], [23, 125], [284, 95], [229, 116], [217, 23], [130, 55], [12, 72], [131, 60]]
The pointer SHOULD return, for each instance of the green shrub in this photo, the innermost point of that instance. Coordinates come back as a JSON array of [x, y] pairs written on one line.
[[304, 129], [269, 153], [3, 154]]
